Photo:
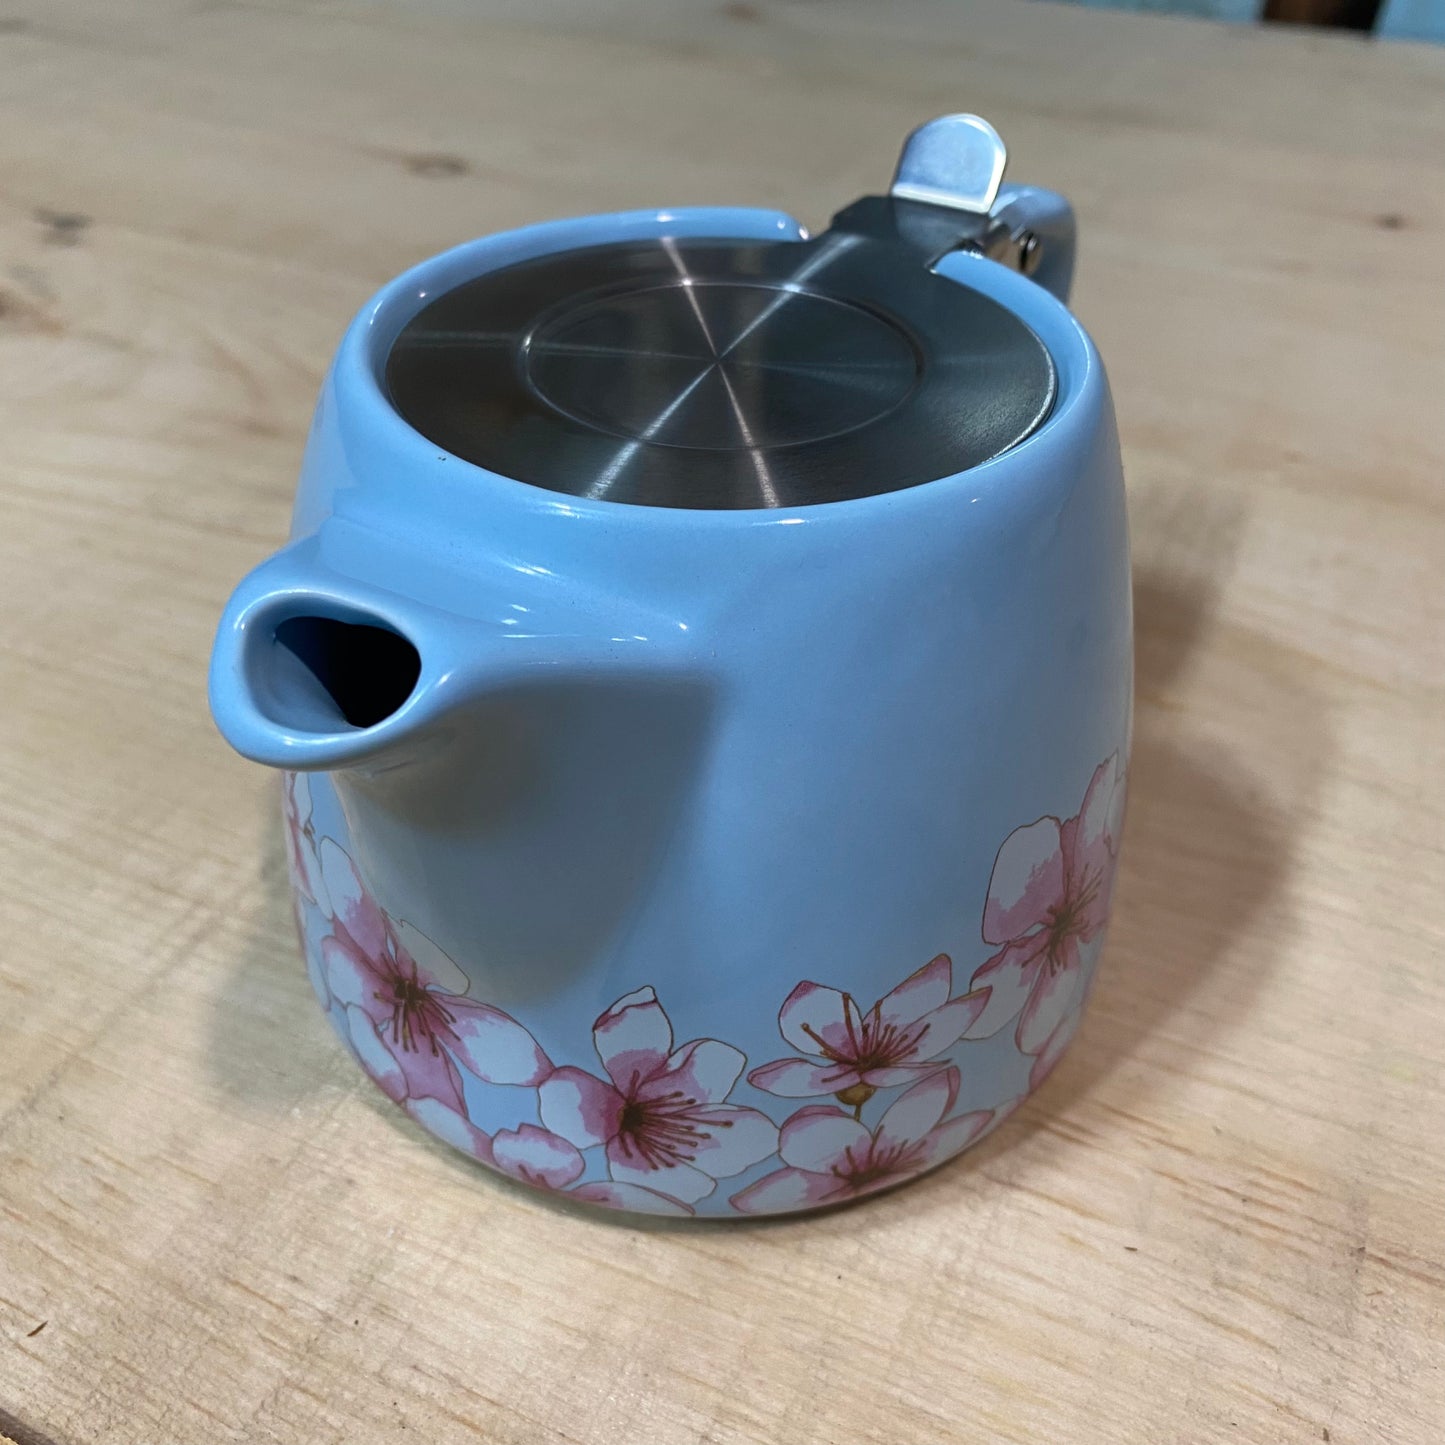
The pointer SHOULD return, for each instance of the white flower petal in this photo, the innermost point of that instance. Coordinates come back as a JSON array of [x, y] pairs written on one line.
[[1009, 978], [1100, 815], [814, 1015], [1052, 999], [435, 969], [633, 1038], [537, 1156], [349, 978], [351, 905], [448, 1125], [678, 1181], [1028, 880], [704, 1070], [580, 1107], [953, 1136], [912, 1115], [733, 1140], [374, 1055], [785, 1190], [632, 1197], [920, 993], [817, 1138], [493, 1045]]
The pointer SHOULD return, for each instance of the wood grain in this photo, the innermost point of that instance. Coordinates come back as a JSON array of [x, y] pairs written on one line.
[[1225, 1216]]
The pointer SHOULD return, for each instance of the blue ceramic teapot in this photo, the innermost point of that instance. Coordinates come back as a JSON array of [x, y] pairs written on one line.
[[701, 675]]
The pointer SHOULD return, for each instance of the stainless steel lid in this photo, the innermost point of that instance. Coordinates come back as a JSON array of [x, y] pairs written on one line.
[[725, 374]]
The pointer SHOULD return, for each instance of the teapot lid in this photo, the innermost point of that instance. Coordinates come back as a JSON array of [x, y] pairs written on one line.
[[733, 374]]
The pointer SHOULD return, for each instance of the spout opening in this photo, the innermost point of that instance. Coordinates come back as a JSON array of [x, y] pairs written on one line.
[[321, 674]]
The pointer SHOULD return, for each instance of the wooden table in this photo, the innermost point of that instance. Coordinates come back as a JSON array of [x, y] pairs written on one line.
[[1224, 1219]]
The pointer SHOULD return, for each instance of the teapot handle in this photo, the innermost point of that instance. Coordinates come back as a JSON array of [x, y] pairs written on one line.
[[1041, 229]]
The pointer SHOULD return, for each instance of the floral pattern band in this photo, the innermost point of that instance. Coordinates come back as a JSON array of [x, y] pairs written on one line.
[[658, 1119]]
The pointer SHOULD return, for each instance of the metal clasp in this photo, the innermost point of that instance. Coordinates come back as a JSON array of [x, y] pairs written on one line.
[[958, 161]]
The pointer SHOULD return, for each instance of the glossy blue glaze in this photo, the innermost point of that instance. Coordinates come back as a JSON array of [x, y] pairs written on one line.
[[710, 753]]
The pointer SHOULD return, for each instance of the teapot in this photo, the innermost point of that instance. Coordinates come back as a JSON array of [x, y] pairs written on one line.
[[701, 675]]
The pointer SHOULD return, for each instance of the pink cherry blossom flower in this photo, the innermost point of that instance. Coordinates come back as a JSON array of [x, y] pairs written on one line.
[[828, 1156], [1049, 896], [855, 1052], [301, 854], [401, 1004], [661, 1117]]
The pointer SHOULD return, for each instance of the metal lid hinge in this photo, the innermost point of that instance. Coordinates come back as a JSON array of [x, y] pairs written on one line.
[[956, 163]]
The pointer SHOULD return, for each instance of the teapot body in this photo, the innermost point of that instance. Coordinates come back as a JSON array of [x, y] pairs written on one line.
[[717, 863]]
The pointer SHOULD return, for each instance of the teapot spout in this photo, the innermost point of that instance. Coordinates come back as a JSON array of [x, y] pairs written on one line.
[[312, 671]]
